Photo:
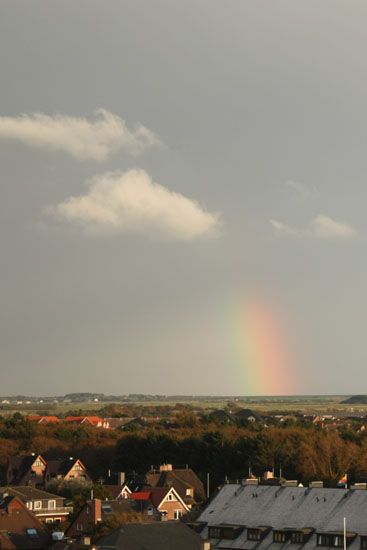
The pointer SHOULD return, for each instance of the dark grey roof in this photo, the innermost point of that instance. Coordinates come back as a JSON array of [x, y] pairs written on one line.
[[245, 414], [170, 535], [180, 479], [286, 508], [27, 493]]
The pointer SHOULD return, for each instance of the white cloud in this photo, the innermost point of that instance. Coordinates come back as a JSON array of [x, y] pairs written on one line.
[[130, 202], [281, 228], [324, 227], [301, 190], [84, 139], [321, 227]]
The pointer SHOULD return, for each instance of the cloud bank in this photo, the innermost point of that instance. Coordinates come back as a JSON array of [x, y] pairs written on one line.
[[84, 139], [321, 227], [131, 202]]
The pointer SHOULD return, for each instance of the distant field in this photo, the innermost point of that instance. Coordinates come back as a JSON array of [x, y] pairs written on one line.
[[291, 404]]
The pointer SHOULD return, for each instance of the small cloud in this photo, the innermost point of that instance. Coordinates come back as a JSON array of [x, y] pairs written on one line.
[[84, 139], [321, 227], [324, 227], [131, 202], [301, 190], [283, 229]]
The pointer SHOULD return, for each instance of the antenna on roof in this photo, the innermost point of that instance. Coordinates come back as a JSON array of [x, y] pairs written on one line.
[[345, 533]]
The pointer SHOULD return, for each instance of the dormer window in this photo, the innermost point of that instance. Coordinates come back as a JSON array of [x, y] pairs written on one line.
[[280, 536], [253, 534], [225, 531], [335, 539]]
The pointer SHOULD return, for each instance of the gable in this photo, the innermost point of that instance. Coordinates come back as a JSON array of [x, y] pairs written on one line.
[[172, 496]]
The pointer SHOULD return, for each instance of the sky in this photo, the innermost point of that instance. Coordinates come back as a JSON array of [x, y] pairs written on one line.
[[182, 197]]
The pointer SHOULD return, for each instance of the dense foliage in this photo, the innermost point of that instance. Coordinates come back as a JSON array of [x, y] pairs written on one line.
[[301, 450]]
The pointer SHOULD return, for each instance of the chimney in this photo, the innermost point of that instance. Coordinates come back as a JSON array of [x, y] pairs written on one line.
[[316, 484], [121, 478], [165, 468], [96, 507], [250, 481], [359, 486]]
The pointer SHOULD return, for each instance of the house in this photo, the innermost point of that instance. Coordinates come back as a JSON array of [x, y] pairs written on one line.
[[269, 517], [47, 507], [120, 485], [247, 415], [95, 421], [44, 419], [94, 512], [184, 480], [26, 470], [160, 502], [66, 469], [19, 528], [155, 536]]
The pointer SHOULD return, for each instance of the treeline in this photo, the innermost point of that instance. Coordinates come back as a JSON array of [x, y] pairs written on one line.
[[302, 451]]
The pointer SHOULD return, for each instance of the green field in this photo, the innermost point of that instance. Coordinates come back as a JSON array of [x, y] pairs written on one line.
[[278, 404]]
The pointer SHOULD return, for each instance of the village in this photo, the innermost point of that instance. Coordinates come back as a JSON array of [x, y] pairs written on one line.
[[51, 500]]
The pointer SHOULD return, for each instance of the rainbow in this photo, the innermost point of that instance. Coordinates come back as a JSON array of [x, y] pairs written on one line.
[[261, 350]]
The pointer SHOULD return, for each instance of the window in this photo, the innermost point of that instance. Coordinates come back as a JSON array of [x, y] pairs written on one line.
[[189, 492], [279, 536], [170, 497], [32, 533], [253, 534], [214, 532], [330, 540], [297, 537], [37, 504], [364, 542], [49, 520], [51, 504], [38, 463], [229, 532], [177, 514]]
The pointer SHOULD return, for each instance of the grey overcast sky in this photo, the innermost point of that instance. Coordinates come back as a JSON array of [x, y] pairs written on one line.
[[182, 203]]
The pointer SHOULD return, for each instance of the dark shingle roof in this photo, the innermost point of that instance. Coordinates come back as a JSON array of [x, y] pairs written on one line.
[[155, 536], [180, 479], [27, 493], [287, 508]]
